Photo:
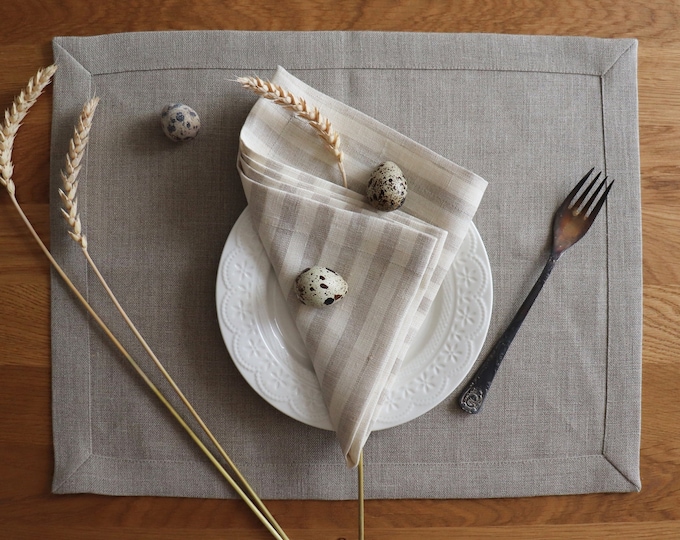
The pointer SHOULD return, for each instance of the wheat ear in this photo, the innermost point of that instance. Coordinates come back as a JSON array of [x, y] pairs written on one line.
[[69, 177], [302, 109], [13, 118], [68, 194]]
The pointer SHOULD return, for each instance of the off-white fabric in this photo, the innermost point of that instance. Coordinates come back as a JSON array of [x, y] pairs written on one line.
[[529, 114], [394, 262]]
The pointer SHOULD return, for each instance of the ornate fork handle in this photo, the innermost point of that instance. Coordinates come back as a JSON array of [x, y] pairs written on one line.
[[472, 398]]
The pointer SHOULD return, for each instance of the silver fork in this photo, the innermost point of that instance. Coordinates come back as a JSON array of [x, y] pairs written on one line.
[[571, 222]]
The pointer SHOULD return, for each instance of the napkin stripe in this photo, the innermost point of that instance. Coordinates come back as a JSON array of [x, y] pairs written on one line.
[[289, 206], [352, 238], [334, 369], [319, 252]]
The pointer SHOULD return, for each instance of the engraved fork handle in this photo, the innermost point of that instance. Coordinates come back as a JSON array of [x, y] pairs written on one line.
[[472, 398]]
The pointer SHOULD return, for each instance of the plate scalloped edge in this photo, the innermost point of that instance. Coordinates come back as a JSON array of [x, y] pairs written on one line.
[[266, 350]]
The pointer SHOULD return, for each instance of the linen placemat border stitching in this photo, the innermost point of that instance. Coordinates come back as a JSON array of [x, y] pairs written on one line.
[[591, 57], [614, 141], [102, 470], [60, 134], [631, 45]]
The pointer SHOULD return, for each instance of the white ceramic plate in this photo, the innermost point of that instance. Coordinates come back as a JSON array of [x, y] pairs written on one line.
[[268, 351]]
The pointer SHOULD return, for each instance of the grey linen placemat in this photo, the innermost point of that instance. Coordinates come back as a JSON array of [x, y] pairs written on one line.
[[529, 114]]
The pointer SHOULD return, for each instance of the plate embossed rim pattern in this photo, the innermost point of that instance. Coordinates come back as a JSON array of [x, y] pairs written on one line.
[[267, 350]]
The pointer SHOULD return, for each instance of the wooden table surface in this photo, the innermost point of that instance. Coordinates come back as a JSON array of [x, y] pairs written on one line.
[[29, 510]]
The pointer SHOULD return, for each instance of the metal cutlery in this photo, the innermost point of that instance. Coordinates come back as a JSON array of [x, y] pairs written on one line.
[[571, 222]]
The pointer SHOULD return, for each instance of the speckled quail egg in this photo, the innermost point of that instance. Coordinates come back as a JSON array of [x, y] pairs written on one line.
[[180, 122], [387, 187], [319, 286]]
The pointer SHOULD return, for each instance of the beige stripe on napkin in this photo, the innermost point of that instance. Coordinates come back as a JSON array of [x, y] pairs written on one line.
[[393, 262]]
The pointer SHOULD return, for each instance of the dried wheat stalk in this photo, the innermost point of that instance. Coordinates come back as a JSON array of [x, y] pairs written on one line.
[[13, 118], [302, 109], [12, 122]]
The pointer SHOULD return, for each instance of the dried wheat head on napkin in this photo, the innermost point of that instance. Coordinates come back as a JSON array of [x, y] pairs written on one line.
[[393, 262]]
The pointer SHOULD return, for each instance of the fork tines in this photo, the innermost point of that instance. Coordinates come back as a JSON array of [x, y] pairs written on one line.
[[593, 204]]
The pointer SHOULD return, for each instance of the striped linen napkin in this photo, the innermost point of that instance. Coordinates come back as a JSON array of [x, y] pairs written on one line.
[[393, 262]]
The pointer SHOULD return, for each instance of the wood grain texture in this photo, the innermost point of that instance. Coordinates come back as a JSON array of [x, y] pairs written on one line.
[[28, 510]]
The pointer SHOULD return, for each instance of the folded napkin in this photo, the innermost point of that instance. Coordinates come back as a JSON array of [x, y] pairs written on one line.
[[393, 262]]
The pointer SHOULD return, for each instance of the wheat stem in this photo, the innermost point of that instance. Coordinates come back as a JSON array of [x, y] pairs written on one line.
[[302, 109], [360, 497], [68, 195], [181, 395]]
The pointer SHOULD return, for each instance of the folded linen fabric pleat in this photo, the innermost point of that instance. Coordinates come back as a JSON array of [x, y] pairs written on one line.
[[393, 262]]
